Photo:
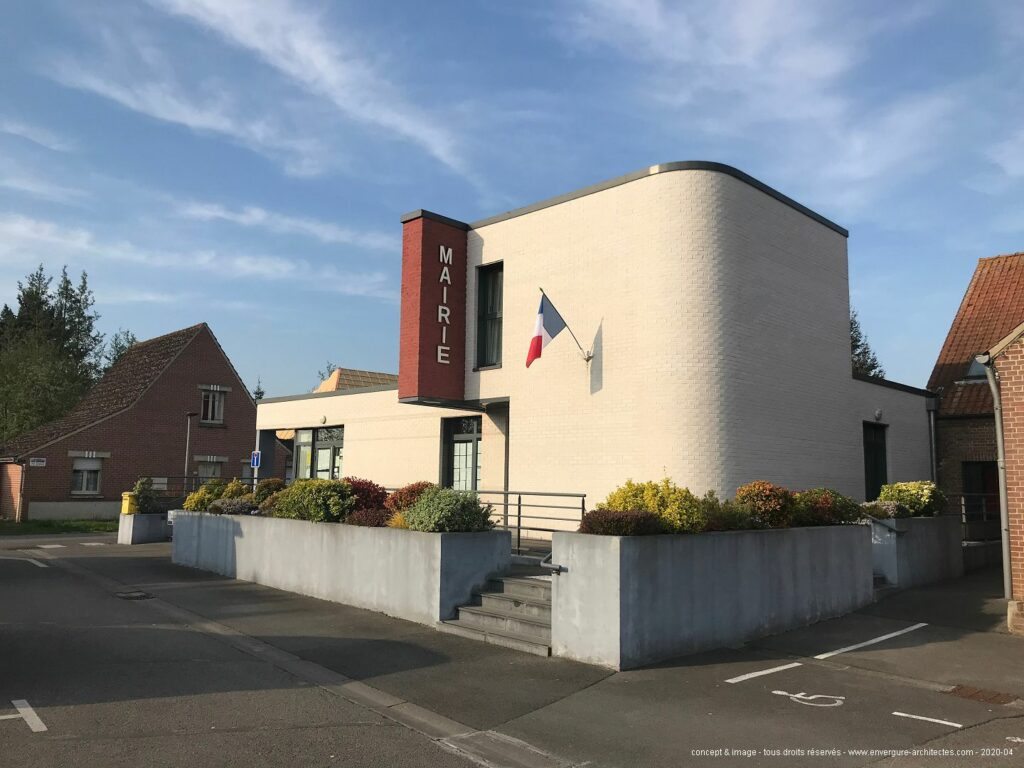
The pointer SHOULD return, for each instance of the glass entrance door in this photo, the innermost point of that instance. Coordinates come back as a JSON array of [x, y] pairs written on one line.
[[462, 453]]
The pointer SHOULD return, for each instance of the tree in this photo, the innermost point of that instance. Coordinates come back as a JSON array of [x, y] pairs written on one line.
[[863, 357], [258, 393], [119, 344], [326, 371], [50, 351]]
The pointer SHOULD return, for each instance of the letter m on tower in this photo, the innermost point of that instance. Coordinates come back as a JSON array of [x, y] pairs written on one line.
[[446, 255]]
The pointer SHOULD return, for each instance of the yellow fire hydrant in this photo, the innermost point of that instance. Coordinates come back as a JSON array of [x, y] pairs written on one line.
[[129, 506]]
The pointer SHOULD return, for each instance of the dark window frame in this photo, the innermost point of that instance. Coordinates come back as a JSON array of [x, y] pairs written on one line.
[[486, 316]]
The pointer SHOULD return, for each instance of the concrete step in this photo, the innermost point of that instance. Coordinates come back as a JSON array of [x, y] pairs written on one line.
[[531, 588], [538, 610], [505, 623], [504, 639]]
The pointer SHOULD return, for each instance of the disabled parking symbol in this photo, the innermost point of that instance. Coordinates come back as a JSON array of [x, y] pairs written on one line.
[[817, 700]]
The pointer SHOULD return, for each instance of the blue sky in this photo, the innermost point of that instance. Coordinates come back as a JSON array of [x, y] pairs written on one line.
[[245, 162]]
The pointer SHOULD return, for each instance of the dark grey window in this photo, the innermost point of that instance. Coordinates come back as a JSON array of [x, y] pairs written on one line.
[[488, 315], [876, 473]]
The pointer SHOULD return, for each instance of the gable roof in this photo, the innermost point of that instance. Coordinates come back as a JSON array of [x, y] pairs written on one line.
[[351, 378], [119, 389], [991, 308]]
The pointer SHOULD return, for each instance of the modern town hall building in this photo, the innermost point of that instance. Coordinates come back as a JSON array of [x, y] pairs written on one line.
[[715, 315]]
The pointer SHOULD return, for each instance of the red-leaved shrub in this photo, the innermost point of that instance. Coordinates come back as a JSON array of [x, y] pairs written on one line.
[[370, 518], [406, 496], [630, 522], [368, 495], [771, 506]]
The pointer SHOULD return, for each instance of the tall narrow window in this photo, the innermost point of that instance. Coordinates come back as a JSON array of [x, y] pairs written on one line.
[[303, 454], [213, 407], [876, 462], [488, 315]]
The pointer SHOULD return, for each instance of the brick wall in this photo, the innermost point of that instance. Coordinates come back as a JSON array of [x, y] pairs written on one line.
[[149, 438], [959, 440], [1010, 366]]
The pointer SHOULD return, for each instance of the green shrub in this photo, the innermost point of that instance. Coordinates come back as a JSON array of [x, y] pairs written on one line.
[[319, 501], [448, 510], [771, 505], [823, 506], [145, 496], [406, 496], [266, 488], [215, 487], [921, 497], [728, 516], [241, 505], [629, 522], [267, 506], [201, 498], [676, 506], [884, 509], [235, 489]]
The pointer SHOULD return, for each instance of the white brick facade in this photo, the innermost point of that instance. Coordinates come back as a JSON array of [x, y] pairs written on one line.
[[718, 316]]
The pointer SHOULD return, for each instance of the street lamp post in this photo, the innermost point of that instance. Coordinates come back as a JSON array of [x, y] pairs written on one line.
[[188, 437]]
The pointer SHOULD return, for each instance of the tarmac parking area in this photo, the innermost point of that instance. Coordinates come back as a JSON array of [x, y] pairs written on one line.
[[122, 657]]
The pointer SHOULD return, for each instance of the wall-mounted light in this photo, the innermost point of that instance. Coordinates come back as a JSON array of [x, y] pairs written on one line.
[[878, 414]]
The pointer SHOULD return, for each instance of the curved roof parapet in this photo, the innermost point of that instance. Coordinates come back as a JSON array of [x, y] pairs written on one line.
[[685, 165]]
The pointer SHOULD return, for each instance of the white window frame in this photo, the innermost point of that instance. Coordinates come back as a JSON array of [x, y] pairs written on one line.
[[216, 400], [82, 468]]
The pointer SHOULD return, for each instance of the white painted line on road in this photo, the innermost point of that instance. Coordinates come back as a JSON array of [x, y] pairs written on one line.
[[94, 543], [751, 675], [30, 715], [10, 717], [928, 719], [51, 546], [27, 560], [880, 639]]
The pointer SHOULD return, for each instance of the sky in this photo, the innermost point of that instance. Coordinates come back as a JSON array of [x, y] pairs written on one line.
[[245, 162]]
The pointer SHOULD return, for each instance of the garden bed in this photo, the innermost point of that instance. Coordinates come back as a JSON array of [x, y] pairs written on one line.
[[412, 575], [625, 601]]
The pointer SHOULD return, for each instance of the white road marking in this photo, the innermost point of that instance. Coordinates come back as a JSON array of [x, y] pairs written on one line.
[[94, 543], [880, 639], [10, 717], [751, 675], [928, 719], [812, 701], [27, 560], [51, 546], [34, 723]]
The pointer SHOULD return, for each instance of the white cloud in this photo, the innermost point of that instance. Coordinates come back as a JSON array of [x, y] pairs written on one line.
[[19, 234], [41, 189], [35, 134], [278, 223], [295, 42], [1009, 155]]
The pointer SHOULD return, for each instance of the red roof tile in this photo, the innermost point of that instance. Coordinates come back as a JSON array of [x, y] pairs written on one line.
[[992, 307]]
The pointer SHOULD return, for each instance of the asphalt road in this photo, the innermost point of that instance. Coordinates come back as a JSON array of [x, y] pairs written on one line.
[[204, 670]]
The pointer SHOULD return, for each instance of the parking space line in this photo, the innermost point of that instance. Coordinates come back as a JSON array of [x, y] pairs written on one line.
[[94, 543], [751, 675], [51, 546], [26, 560], [873, 641], [928, 719], [30, 715]]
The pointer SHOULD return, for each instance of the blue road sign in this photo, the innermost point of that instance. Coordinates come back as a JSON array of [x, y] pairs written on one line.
[[255, 462]]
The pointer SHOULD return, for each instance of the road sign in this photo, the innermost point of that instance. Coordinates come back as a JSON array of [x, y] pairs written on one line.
[[255, 462], [37, 461]]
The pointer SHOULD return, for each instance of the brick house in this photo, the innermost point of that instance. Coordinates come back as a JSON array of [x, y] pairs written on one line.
[[131, 424], [965, 427]]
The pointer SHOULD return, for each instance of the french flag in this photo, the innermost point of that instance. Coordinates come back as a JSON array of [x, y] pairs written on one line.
[[549, 324]]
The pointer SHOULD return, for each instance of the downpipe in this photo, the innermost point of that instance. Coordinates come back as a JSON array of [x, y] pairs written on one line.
[[1004, 513]]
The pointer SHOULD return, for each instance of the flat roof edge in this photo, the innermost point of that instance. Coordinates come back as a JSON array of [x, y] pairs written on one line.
[[894, 385], [336, 393], [653, 170]]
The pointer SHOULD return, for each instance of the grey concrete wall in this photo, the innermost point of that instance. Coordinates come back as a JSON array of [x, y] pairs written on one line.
[[912, 551], [73, 510], [142, 529], [628, 601], [417, 576], [981, 554]]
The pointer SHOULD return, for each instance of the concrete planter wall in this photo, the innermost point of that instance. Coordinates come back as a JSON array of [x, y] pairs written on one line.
[[142, 529], [911, 551], [417, 576], [627, 601]]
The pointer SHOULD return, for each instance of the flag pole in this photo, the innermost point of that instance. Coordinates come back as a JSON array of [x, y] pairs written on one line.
[[587, 356]]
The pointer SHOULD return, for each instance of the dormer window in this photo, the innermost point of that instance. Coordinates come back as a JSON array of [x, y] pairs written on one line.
[[976, 371]]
